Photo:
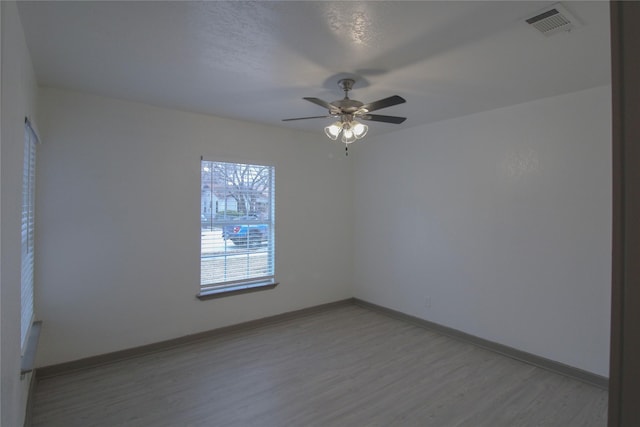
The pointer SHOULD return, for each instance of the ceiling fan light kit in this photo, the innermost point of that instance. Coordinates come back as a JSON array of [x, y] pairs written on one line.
[[348, 110], [351, 130]]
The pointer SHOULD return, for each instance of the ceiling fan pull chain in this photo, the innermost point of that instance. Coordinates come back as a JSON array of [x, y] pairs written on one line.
[[346, 149]]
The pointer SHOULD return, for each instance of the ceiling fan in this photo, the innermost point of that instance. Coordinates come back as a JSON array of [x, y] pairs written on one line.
[[348, 110]]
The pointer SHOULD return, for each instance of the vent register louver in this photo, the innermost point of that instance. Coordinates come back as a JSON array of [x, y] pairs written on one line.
[[553, 20]]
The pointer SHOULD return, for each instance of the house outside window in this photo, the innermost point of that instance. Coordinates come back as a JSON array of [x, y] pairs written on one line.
[[237, 245]]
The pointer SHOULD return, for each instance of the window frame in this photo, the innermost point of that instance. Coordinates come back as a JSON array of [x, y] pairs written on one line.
[[252, 283], [27, 234]]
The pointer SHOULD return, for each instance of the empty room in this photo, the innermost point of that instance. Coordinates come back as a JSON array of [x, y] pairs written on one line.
[[279, 213]]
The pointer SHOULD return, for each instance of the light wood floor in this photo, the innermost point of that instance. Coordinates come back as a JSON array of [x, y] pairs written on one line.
[[346, 366]]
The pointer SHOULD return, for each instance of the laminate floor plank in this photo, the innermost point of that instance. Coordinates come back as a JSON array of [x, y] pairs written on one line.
[[344, 366]]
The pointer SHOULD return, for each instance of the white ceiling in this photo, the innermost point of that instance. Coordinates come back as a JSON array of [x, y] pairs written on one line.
[[256, 60]]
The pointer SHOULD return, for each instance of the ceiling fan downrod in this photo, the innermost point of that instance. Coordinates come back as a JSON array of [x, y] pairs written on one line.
[[346, 85]]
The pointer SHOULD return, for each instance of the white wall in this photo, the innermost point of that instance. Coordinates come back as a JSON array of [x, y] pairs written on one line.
[[502, 219], [118, 219], [18, 100]]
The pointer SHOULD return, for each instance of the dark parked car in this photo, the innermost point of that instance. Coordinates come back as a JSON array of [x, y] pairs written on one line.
[[244, 234]]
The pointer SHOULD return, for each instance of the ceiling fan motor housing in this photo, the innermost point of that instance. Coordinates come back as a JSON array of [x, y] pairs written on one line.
[[347, 106]]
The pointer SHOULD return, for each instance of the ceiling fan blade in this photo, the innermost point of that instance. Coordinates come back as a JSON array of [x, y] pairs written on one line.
[[386, 119], [305, 118], [383, 103], [325, 104]]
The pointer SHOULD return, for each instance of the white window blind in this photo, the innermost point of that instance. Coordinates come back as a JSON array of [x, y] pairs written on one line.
[[28, 229], [237, 243]]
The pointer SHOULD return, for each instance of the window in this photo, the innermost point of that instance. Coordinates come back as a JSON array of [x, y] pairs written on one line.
[[237, 242], [28, 222]]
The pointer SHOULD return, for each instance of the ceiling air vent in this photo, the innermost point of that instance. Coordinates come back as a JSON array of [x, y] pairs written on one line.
[[553, 20]]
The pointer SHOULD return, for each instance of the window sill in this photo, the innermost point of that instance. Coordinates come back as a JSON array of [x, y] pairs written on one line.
[[236, 290]]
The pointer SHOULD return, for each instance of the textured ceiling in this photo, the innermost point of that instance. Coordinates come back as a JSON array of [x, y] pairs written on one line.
[[256, 60]]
